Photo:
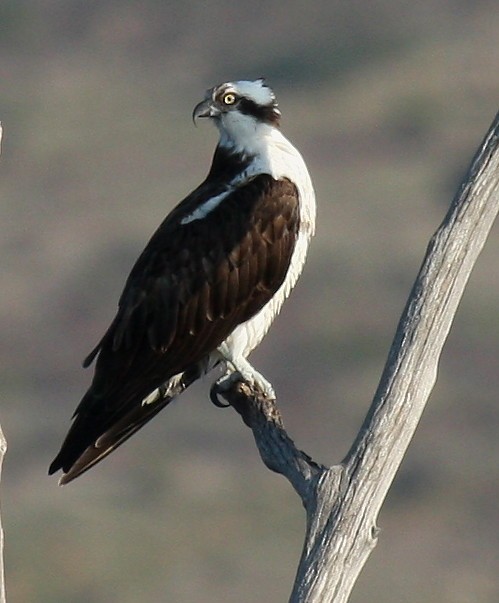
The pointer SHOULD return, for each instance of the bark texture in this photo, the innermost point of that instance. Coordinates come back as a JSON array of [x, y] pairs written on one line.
[[3, 450]]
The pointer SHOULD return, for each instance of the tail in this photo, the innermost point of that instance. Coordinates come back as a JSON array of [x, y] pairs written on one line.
[[91, 438]]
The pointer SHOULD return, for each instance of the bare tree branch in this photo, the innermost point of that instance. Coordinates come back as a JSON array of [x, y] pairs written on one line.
[[276, 448], [3, 450], [342, 502]]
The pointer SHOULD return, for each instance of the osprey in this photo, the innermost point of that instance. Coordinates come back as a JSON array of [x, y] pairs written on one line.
[[208, 285]]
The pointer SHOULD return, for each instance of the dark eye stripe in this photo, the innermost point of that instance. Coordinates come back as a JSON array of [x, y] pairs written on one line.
[[264, 113]]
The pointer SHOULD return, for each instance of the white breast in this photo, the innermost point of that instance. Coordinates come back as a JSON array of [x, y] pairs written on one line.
[[276, 156]]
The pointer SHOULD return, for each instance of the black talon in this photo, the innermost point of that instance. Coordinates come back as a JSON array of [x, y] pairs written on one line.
[[214, 391]]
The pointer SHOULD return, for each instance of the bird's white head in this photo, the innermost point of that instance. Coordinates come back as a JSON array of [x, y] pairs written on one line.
[[242, 111]]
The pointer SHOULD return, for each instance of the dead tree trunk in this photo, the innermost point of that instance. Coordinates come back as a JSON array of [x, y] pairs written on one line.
[[342, 502], [3, 449]]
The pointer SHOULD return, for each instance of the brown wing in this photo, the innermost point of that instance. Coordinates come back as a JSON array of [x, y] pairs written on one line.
[[193, 284]]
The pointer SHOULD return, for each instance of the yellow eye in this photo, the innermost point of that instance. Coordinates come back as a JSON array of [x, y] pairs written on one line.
[[229, 98]]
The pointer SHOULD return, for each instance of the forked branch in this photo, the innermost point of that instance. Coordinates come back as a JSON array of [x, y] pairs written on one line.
[[343, 502]]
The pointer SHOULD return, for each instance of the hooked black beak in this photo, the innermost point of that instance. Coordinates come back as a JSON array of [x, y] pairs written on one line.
[[205, 108]]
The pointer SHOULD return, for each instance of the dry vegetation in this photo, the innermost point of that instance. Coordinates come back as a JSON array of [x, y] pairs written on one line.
[[387, 103]]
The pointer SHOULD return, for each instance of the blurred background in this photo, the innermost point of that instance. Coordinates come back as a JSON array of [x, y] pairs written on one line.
[[387, 101]]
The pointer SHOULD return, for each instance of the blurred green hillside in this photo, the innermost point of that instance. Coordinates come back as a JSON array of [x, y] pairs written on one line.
[[387, 101]]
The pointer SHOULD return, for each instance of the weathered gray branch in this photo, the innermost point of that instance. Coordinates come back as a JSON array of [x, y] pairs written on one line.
[[342, 502], [3, 450]]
